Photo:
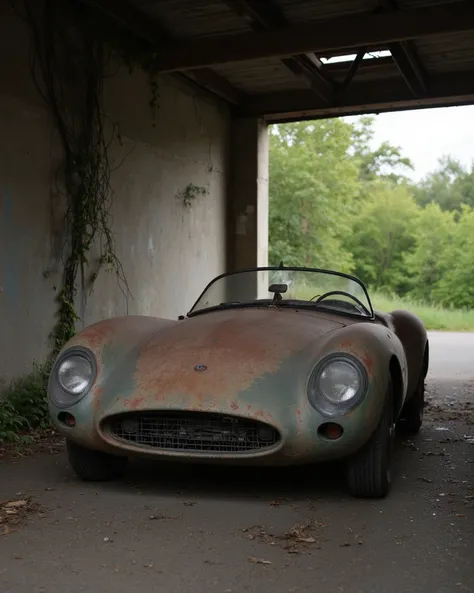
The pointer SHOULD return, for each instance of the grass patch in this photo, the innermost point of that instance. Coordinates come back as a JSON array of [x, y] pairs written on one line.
[[24, 408], [433, 316]]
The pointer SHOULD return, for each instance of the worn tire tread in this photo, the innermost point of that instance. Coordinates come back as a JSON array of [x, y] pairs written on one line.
[[365, 473]]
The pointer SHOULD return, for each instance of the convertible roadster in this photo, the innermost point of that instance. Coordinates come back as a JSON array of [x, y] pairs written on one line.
[[272, 366]]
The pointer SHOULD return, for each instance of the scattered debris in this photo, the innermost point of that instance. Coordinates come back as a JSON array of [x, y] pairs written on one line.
[[294, 541], [13, 513], [427, 480], [188, 503], [46, 442]]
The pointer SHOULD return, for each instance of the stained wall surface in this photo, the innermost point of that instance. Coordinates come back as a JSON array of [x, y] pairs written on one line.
[[168, 251]]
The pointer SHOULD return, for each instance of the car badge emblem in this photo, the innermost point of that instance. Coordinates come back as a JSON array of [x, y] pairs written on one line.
[[199, 368]]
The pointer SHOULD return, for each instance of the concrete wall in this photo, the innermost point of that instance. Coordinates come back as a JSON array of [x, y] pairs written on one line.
[[168, 252]]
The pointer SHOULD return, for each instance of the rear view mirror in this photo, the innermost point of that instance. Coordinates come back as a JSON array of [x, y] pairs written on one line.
[[278, 288]]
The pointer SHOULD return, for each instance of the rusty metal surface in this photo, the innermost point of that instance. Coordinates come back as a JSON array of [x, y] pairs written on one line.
[[257, 363]]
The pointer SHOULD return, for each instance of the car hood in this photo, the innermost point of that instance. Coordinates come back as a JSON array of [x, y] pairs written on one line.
[[221, 353]]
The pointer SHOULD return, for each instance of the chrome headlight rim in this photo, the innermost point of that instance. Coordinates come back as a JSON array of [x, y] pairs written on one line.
[[56, 389], [323, 404]]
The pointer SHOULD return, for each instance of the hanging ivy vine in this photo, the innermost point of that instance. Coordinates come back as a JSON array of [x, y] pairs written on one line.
[[70, 51]]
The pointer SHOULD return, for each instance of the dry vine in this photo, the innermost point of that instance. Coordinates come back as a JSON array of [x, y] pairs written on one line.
[[67, 62]]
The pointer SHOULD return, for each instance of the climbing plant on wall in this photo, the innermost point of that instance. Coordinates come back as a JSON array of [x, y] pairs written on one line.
[[70, 51]]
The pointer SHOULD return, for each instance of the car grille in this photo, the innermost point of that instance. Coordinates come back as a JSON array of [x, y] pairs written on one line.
[[194, 432]]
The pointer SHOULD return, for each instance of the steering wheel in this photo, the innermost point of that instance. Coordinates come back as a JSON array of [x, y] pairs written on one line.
[[341, 292]]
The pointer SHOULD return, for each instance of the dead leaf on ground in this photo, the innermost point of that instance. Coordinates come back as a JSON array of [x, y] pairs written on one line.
[[278, 502], [299, 533], [254, 560], [15, 504], [163, 517]]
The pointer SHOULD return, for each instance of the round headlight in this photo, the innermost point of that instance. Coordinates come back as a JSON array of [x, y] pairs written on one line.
[[75, 374], [339, 381], [337, 384]]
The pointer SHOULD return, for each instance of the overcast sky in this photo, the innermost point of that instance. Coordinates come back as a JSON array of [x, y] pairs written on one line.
[[425, 135]]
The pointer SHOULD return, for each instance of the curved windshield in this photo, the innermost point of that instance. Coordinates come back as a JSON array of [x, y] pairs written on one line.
[[302, 287]]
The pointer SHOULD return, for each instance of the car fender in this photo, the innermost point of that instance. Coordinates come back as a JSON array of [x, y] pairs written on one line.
[[414, 339], [383, 356], [111, 342]]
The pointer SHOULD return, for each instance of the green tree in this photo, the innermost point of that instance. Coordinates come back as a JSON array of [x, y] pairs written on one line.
[[313, 182], [383, 233], [426, 265], [455, 288], [450, 185], [385, 162]]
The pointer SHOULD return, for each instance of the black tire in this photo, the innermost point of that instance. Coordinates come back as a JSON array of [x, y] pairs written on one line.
[[369, 471], [411, 417], [95, 466]]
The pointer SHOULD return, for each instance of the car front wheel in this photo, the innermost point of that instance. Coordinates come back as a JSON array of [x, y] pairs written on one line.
[[94, 466], [369, 471]]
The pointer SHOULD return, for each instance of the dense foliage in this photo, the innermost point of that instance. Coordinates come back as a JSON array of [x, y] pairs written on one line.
[[337, 202]]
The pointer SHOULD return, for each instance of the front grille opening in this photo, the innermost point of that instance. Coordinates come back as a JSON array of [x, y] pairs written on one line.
[[192, 431]]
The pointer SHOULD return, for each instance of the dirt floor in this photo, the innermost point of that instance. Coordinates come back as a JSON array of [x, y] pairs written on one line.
[[183, 530]]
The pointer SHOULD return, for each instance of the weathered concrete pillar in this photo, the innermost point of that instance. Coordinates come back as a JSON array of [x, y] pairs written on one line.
[[247, 230]]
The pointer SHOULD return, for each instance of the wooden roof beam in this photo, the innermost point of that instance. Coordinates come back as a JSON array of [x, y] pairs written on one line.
[[406, 58], [363, 97], [143, 28], [266, 15], [358, 30]]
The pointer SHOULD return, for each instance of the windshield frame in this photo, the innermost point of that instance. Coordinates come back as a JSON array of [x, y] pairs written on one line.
[[301, 304]]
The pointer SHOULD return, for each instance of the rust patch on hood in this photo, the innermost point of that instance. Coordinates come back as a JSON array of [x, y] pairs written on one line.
[[96, 335], [237, 346], [118, 330]]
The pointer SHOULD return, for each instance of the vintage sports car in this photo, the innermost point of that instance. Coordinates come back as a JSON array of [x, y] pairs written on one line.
[[272, 366]]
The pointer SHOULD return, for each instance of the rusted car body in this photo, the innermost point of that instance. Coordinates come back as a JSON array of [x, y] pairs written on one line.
[[260, 371]]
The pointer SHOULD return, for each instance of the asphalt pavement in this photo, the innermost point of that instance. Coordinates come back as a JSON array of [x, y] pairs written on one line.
[[189, 530]]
